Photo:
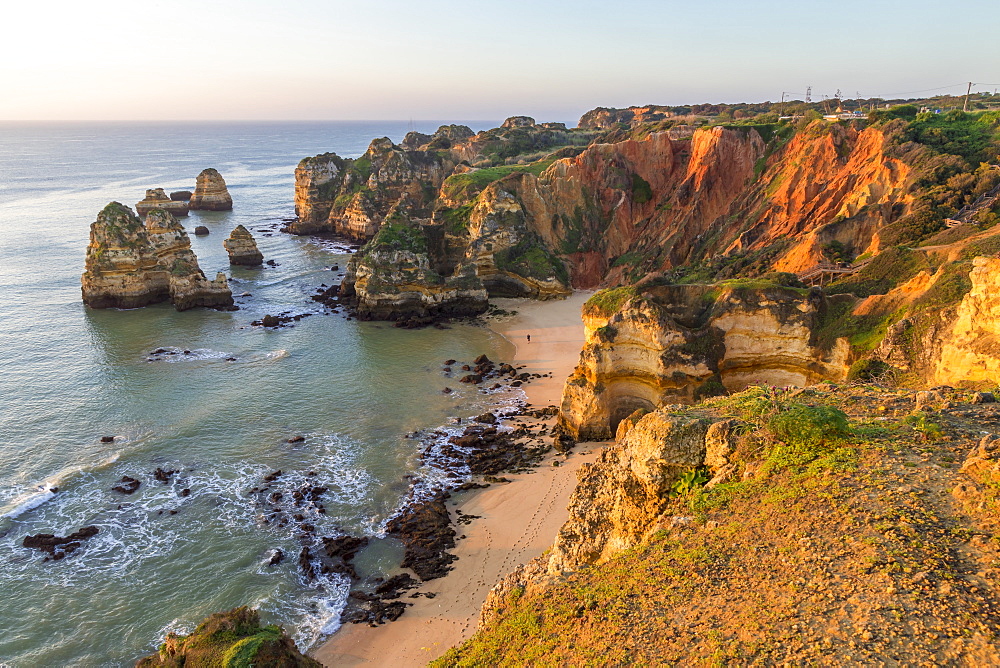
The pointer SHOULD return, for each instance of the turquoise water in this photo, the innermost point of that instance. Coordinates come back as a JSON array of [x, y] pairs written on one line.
[[221, 414]]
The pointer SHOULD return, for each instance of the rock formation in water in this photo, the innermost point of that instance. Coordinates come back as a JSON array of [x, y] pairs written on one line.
[[130, 264], [210, 192], [157, 199], [242, 248], [667, 344], [233, 638], [181, 195]]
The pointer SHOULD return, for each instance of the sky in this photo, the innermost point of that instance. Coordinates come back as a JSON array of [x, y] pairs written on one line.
[[444, 59]]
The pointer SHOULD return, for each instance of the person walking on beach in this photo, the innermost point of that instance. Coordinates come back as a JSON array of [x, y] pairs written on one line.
[[529, 338]]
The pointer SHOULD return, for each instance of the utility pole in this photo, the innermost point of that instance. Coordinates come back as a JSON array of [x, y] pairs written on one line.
[[781, 110], [809, 90], [965, 107]]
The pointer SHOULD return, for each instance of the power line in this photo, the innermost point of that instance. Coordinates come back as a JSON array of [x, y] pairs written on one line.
[[927, 90]]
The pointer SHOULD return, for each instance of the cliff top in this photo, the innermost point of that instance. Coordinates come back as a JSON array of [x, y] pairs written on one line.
[[852, 533]]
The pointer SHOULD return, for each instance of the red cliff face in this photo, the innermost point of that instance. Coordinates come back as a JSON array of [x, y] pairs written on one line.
[[619, 211]]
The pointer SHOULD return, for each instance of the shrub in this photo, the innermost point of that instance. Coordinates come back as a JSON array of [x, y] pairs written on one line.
[[810, 428], [868, 370]]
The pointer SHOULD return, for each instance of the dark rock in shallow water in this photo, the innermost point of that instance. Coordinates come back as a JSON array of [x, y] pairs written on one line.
[[107, 439], [276, 558], [472, 378], [128, 486], [59, 546], [425, 530], [163, 476], [200, 231], [297, 439]]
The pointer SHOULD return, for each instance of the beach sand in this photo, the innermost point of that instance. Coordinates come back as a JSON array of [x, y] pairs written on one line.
[[518, 520]]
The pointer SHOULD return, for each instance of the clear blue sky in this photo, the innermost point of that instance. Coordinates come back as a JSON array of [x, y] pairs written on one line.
[[437, 59]]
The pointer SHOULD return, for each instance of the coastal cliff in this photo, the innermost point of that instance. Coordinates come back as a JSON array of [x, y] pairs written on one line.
[[662, 344], [771, 526], [538, 208], [131, 264]]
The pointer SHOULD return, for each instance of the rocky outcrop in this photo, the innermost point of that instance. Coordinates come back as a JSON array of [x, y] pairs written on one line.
[[130, 264], [233, 638], [181, 195], [242, 248], [604, 118], [665, 344], [156, 198], [618, 497], [518, 122], [392, 279], [210, 192]]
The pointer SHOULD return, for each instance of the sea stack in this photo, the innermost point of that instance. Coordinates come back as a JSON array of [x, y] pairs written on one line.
[[210, 192], [156, 198], [242, 248], [131, 264]]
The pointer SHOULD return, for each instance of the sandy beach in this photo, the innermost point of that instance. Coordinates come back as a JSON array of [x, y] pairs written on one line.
[[518, 520]]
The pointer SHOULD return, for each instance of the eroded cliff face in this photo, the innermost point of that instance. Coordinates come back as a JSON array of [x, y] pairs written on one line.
[[210, 192], [970, 348], [655, 345], [618, 497], [131, 264], [536, 208]]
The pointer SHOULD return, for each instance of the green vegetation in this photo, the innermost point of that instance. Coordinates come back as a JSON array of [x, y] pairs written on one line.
[[457, 220], [641, 190], [243, 653], [530, 258], [397, 236], [467, 184], [608, 302]]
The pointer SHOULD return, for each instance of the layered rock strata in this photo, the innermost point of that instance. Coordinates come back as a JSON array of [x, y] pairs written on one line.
[[210, 192], [130, 264], [156, 198], [618, 497], [242, 248], [663, 344]]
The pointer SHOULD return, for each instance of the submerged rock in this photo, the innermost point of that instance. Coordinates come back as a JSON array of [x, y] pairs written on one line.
[[58, 547], [210, 192], [130, 264], [242, 248]]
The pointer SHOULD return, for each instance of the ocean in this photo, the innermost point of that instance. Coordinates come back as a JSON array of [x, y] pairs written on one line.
[[218, 406]]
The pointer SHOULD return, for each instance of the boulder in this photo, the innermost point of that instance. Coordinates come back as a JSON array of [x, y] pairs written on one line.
[[181, 195], [210, 192], [157, 199], [242, 248], [201, 231]]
